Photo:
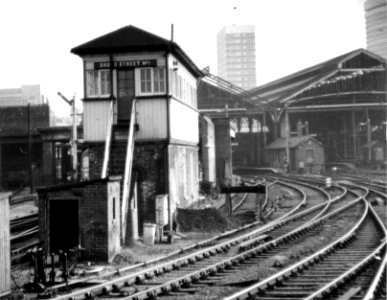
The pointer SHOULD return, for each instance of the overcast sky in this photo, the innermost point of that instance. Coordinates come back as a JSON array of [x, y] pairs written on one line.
[[36, 36]]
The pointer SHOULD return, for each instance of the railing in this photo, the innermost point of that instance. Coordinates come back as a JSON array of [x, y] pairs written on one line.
[[128, 171], [108, 141]]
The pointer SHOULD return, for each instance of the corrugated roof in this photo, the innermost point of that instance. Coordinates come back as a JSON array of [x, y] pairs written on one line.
[[286, 88], [294, 141], [131, 39]]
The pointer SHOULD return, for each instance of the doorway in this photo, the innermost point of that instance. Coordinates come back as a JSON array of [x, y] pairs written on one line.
[[126, 94], [64, 225]]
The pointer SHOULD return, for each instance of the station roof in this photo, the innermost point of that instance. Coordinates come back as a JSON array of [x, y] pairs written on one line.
[[130, 39], [294, 141], [218, 97], [354, 78]]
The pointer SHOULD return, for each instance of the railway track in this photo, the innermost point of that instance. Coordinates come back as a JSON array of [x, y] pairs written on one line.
[[24, 236], [321, 275], [202, 262], [200, 272], [334, 272]]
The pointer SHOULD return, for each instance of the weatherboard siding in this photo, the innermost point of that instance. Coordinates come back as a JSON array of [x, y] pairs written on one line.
[[152, 119], [184, 122], [95, 120], [5, 263]]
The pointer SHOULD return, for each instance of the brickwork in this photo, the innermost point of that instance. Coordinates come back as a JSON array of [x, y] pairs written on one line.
[[183, 175], [222, 149], [99, 227], [14, 120], [149, 163], [96, 154], [48, 164]]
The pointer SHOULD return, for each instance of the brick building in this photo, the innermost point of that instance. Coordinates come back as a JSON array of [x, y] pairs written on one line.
[[85, 215], [21, 145]]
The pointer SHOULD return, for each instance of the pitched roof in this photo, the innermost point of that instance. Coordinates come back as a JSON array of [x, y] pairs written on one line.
[[294, 141], [133, 39], [288, 87]]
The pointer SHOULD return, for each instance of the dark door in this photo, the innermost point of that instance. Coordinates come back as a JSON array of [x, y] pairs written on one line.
[[125, 91], [64, 225]]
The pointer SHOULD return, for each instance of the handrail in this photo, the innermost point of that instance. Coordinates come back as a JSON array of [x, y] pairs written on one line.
[[108, 141], [128, 170]]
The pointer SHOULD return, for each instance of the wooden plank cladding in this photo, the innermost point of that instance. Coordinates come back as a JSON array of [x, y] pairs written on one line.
[[152, 119], [95, 120], [5, 250], [182, 114]]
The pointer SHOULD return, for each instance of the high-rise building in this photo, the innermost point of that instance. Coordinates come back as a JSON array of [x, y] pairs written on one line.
[[236, 55], [376, 26], [26, 94]]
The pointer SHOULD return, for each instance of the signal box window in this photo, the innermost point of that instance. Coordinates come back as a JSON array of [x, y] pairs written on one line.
[[152, 80], [98, 83]]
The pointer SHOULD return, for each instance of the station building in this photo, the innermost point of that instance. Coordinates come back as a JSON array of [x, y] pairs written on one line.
[[341, 102]]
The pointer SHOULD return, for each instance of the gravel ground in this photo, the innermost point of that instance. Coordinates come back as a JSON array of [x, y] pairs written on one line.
[[381, 210], [292, 254], [195, 225]]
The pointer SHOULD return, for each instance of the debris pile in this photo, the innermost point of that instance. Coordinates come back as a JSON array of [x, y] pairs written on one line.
[[204, 220]]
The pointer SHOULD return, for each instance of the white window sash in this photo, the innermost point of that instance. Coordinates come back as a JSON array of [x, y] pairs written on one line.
[[98, 83]]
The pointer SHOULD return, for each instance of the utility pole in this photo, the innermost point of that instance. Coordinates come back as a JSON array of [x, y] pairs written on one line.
[[31, 172], [369, 140], [74, 138]]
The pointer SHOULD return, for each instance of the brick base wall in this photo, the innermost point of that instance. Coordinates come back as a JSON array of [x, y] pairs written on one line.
[[150, 165], [99, 232]]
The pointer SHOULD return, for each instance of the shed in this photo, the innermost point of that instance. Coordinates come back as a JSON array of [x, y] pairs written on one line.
[[5, 250], [306, 154], [82, 215]]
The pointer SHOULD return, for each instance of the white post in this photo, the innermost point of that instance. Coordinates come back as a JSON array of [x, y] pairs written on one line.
[[74, 138]]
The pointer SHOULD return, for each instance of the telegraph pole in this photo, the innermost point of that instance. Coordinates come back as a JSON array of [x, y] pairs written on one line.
[[31, 172], [74, 138]]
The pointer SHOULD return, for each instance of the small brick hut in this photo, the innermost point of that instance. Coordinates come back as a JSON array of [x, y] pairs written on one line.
[[83, 215]]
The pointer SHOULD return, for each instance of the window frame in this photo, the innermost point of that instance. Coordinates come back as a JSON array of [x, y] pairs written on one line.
[[153, 80], [102, 81]]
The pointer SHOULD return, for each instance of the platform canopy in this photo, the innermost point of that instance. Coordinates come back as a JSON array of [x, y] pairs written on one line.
[[355, 80]]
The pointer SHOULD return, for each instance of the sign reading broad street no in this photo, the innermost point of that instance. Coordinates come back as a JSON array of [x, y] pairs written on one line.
[[123, 64]]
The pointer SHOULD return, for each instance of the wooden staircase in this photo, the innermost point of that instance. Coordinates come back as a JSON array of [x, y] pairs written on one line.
[[116, 166], [118, 160]]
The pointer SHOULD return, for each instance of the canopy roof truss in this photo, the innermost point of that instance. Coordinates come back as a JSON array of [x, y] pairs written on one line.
[[352, 79]]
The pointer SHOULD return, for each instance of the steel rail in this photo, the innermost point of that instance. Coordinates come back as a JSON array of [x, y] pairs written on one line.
[[157, 269], [244, 294], [266, 201], [330, 199], [370, 294], [335, 283], [25, 233], [378, 277], [152, 292], [131, 278]]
